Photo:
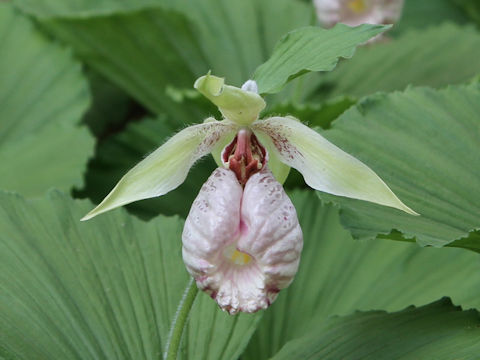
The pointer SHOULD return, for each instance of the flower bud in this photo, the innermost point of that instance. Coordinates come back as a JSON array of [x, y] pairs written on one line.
[[242, 245]]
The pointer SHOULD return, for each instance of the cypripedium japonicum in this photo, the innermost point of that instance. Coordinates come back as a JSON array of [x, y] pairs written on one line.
[[242, 240]]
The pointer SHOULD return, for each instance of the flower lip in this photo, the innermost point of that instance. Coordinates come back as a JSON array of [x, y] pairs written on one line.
[[242, 245]]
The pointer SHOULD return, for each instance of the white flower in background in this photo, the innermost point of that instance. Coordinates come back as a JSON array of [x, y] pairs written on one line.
[[242, 240], [356, 12]]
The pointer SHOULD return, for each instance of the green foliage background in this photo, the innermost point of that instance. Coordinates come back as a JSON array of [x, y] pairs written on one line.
[[87, 88]]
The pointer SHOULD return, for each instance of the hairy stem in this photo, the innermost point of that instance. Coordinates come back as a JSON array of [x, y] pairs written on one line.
[[180, 320]]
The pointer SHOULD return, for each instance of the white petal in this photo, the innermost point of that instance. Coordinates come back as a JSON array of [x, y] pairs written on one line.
[[324, 166], [167, 167]]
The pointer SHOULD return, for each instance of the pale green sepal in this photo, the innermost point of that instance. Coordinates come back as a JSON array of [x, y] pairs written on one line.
[[324, 166], [279, 170], [237, 105], [167, 167]]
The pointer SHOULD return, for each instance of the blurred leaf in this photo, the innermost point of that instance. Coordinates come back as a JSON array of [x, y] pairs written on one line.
[[338, 276], [426, 13], [426, 145], [434, 57], [43, 95], [314, 115], [310, 49], [471, 241], [471, 8], [105, 289], [119, 153], [83, 8], [438, 331], [174, 42], [109, 108]]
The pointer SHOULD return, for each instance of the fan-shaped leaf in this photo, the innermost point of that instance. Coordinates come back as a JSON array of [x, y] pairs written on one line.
[[310, 49], [438, 331], [437, 56], [128, 43], [426, 145], [43, 95], [338, 276], [104, 289]]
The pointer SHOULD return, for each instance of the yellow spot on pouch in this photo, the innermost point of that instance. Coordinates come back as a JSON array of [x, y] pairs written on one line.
[[240, 258], [237, 257], [357, 6]]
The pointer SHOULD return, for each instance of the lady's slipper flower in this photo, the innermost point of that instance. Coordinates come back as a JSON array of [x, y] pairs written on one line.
[[356, 12], [242, 240]]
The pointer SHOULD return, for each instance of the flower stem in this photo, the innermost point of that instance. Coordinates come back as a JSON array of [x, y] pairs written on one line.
[[180, 320]]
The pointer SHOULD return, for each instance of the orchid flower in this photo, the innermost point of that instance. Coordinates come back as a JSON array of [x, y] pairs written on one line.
[[242, 240], [356, 12]]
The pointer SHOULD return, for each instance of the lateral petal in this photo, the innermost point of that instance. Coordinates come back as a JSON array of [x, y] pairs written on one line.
[[167, 167], [324, 166]]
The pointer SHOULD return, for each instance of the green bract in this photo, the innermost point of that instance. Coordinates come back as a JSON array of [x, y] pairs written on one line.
[[289, 143]]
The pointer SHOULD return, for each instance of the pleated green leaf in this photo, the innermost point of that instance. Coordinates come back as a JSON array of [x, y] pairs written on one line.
[[106, 289], [438, 331], [437, 56], [338, 276], [141, 52], [56, 155], [43, 95], [127, 42], [425, 144], [85, 8], [214, 334], [310, 49]]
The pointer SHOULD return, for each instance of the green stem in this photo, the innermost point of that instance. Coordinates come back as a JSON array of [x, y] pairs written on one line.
[[179, 321]]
